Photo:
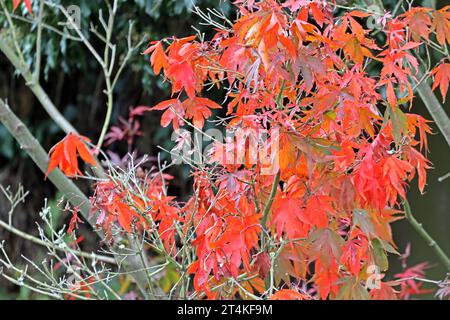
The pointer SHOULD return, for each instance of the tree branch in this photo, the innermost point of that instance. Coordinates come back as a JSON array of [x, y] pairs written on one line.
[[73, 194], [31, 82], [426, 236], [29, 237], [434, 107], [272, 195]]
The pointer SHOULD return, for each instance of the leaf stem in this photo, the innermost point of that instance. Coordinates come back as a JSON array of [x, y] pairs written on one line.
[[426, 236], [38, 241], [272, 195]]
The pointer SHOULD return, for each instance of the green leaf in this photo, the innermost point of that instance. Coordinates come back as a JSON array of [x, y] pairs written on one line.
[[352, 289], [399, 123], [379, 255]]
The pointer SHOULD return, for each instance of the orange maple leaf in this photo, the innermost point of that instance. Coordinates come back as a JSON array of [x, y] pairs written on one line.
[[441, 78], [158, 59], [64, 155], [419, 23], [441, 25], [197, 109]]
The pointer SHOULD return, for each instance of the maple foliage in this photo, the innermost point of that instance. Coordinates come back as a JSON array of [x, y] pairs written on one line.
[[347, 149], [338, 168], [64, 155], [408, 283], [441, 25], [442, 78]]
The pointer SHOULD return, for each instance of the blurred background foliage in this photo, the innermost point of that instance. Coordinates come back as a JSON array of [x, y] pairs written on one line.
[[74, 81]]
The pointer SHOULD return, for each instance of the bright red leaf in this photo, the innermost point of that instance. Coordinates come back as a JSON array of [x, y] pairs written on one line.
[[65, 155]]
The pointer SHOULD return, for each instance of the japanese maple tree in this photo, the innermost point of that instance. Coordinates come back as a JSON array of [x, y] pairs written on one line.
[[305, 213], [347, 146]]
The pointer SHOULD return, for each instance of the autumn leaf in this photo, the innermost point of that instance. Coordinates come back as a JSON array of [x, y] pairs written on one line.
[[441, 78], [74, 220], [441, 25], [419, 23], [174, 113], [396, 171], [158, 58], [184, 76], [326, 246], [362, 220], [421, 164], [326, 277], [199, 109], [408, 283], [65, 155], [351, 289], [125, 215]]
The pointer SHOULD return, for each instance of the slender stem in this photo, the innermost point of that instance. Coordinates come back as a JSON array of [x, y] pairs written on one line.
[[144, 263], [21, 284], [109, 60], [272, 195], [40, 94], [45, 26], [38, 241], [109, 111], [37, 70], [426, 236], [79, 32]]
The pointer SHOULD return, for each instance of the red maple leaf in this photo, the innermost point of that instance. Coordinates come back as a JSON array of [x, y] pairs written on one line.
[[441, 25], [65, 155], [441, 78], [158, 59], [409, 284]]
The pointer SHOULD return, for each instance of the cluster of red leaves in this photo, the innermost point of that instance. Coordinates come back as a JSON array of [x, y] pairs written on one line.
[[346, 148], [227, 231], [421, 23], [409, 285], [114, 202], [344, 165]]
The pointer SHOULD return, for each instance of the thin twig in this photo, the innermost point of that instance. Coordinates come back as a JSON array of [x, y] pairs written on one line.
[[426, 236]]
